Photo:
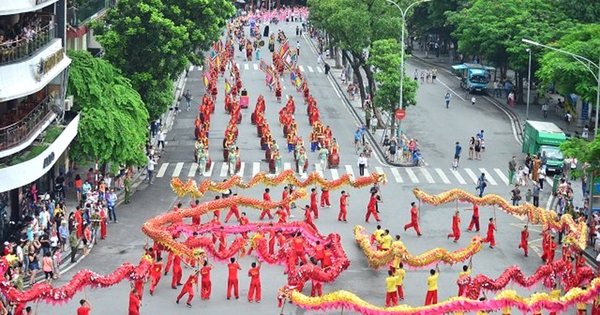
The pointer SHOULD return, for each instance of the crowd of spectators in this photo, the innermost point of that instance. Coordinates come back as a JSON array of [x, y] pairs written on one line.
[[22, 32]]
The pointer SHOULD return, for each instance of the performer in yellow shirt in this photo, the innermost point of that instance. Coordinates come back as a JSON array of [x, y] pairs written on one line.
[[400, 273], [386, 240], [391, 296], [466, 272], [432, 286], [376, 236]]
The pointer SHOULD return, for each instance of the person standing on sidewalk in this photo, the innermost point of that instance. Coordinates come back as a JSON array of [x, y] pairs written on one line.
[[512, 168], [111, 204], [150, 168], [447, 98], [74, 243], [535, 193], [188, 99]]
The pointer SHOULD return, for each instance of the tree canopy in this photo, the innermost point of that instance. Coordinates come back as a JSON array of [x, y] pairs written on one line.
[[153, 41], [569, 74], [114, 121]]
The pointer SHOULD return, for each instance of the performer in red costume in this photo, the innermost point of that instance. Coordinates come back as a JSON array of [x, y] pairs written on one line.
[[308, 218], [155, 274], [455, 226], [325, 198], [414, 219], [188, 288], [313, 202], [255, 291], [372, 208], [267, 211], [206, 284], [343, 206], [135, 301], [524, 240], [232, 279], [490, 234]]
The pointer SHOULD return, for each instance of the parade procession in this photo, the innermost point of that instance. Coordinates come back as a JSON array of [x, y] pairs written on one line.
[[294, 203]]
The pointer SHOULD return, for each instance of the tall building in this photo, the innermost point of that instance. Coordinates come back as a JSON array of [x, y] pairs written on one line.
[[36, 127]]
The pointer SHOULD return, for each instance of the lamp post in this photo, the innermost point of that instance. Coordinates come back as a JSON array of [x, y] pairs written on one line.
[[528, 84], [403, 15], [588, 64]]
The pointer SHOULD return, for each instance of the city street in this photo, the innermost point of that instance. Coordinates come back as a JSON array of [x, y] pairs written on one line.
[[436, 128]]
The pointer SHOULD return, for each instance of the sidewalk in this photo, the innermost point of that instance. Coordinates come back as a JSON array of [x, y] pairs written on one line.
[[519, 114], [137, 178]]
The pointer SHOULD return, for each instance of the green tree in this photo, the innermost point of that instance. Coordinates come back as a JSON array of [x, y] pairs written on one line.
[[583, 11], [385, 58], [568, 73], [153, 41], [494, 31], [114, 120]]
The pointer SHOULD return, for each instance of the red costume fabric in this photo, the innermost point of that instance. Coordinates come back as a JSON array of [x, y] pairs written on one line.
[[490, 234], [523, 244], [474, 219], [343, 208], [206, 284], [232, 280], [414, 220], [255, 291], [188, 288], [455, 228], [372, 209]]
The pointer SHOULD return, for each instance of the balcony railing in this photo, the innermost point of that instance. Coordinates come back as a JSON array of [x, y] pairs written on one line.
[[23, 48], [17, 132]]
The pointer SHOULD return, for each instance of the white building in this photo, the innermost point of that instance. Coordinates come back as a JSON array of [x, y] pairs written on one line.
[[36, 126]]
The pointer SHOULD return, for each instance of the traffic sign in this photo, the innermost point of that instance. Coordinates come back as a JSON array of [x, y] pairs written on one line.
[[400, 114]]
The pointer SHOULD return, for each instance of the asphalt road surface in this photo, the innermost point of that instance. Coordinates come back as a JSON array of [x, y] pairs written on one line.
[[436, 128]]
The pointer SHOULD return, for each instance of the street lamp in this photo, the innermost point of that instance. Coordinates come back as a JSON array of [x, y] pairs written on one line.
[[403, 15], [588, 64], [528, 84]]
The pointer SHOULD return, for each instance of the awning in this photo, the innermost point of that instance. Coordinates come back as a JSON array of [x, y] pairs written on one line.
[[460, 67]]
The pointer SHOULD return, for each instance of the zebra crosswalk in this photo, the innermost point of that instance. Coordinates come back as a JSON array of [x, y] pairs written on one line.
[[402, 175]]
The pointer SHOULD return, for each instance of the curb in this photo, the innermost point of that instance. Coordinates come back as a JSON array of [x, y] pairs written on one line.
[[169, 118], [358, 117]]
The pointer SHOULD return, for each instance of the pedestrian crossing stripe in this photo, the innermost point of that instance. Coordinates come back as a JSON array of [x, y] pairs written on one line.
[[319, 70], [246, 66], [412, 175], [489, 179], [442, 176], [471, 175], [310, 68], [301, 68], [409, 175], [255, 66], [459, 178]]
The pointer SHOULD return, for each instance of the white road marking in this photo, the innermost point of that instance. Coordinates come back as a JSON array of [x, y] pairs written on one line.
[[319, 169], [208, 172], [287, 166], [224, 169], [472, 175], [310, 68], [178, 169], [255, 168], [488, 176], [237, 65], [319, 70], [501, 175], [459, 177], [379, 170], [246, 66], [428, 176], [334, 174], [301, 68], [162, 170], [442, 175], [242, 166], [412, 175], [366, 173], [396, 175], [451, 90], [193, 170], [349, 171], [255, 66]]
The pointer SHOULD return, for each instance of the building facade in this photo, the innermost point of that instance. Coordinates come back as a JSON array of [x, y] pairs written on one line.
[[36, 127]]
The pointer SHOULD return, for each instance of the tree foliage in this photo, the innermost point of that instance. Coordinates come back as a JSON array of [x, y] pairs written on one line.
[[152, 41], [569, 74], [430, 17], [385, 58], [583, 11], [495, 30], [114, 120]]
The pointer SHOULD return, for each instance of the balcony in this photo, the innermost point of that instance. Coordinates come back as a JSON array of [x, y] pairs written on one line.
[[38, 161], [20, 49], [79, 12], [20, 127], [9, 7]]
